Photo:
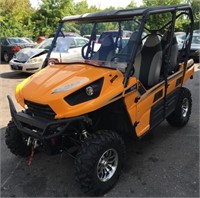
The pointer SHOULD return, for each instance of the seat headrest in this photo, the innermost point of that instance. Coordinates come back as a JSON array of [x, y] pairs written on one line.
[[132, 39], [133, 36], [165, 36], [107, 41], [152, 40]]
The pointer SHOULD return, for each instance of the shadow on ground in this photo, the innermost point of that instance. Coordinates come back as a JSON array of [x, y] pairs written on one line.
[[14, 75]]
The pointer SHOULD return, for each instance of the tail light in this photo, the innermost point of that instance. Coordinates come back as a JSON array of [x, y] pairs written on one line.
[[16, 49]]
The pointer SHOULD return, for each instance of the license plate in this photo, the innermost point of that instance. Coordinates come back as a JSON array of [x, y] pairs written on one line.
[[14, 67]]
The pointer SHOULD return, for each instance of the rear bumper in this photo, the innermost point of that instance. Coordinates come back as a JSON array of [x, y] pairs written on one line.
[[25, 122]]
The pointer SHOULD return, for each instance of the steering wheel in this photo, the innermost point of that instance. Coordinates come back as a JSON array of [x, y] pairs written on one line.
[[85, 56]]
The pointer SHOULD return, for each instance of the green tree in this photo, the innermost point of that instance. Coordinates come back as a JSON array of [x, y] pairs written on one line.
[[159, 20], [196, 12], [161, 2], [132, 5], [15, 18], [48, 15], [82, 8]]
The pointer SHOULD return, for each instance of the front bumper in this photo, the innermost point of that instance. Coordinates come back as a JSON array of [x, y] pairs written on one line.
[[25, 67], [22, 120]]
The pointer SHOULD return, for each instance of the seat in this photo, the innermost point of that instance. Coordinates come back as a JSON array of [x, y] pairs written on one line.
[[106, 51], [125, 52], [173, 54], [148, 69]]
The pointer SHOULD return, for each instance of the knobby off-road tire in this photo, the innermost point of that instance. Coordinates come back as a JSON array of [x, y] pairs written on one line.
[[181, 114], [15, 142], [99, 163]]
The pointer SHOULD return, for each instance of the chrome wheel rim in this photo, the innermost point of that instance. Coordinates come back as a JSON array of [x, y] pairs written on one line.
[[185, 107], [107, 165]]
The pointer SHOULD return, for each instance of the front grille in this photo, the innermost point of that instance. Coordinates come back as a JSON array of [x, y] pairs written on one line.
[[18, 61], [39, 110], [16, 67]]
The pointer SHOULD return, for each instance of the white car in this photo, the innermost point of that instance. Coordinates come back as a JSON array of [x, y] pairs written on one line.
[[30, 60]]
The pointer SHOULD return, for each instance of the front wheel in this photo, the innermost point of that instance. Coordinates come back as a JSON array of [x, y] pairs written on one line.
[[181, 115], [15, 141], [99, 162]]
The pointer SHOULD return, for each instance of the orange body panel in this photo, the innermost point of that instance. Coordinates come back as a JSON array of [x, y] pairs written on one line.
[[41, 88]]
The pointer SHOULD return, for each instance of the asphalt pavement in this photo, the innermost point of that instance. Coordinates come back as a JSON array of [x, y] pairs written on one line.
[[166, 164]]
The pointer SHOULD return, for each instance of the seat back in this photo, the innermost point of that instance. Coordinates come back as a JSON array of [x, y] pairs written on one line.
[[106, 51], [151, 61], [128, 48], [125, 53], [173, 54]]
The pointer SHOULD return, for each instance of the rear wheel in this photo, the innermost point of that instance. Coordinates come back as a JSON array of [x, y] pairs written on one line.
[[99, 162], [181, 114], [6, 57], [15, 141]]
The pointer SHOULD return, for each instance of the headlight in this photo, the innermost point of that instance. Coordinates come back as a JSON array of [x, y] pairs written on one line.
[[35, 60], [89, 91], [86, 93]]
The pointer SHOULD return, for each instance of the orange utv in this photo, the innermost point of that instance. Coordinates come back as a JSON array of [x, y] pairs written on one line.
[[119, 86]]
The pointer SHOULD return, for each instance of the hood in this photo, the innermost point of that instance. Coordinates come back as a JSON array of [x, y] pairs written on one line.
[[50, 80], [54, 83], [24, 54]]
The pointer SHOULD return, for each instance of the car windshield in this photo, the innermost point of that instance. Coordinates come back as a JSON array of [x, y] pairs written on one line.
[[113, 49], [16, 40], [28, 40], [63, 44], [196, 39], [46, 44]]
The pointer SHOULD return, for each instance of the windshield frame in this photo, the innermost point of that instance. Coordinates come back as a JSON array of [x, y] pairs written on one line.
[[127, 14]]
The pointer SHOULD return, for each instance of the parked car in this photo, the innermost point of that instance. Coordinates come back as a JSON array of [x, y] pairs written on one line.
[[196, 31], [30, 60], [180, 37], [10, 45], [29, 40], [40, 39], [88, 36], [195, 47], [114, 34], [73, 34]]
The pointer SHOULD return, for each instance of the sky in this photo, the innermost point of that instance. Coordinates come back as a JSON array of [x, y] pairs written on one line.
[[100, 3]]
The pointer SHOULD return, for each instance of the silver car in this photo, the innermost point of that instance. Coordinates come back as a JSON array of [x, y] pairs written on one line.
[[30, 60]]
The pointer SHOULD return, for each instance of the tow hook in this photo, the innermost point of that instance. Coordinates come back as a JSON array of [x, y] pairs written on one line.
[[34, 145]]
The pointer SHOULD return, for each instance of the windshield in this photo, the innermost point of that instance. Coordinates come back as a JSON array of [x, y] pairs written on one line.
[[196, 39], [110, 43], [16, 40], [46, 44]]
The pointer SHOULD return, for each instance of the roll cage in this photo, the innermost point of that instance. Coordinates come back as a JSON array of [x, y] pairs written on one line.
[[128, 14]]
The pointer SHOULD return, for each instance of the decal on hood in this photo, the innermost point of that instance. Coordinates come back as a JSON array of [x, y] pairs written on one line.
[[71, 86]]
